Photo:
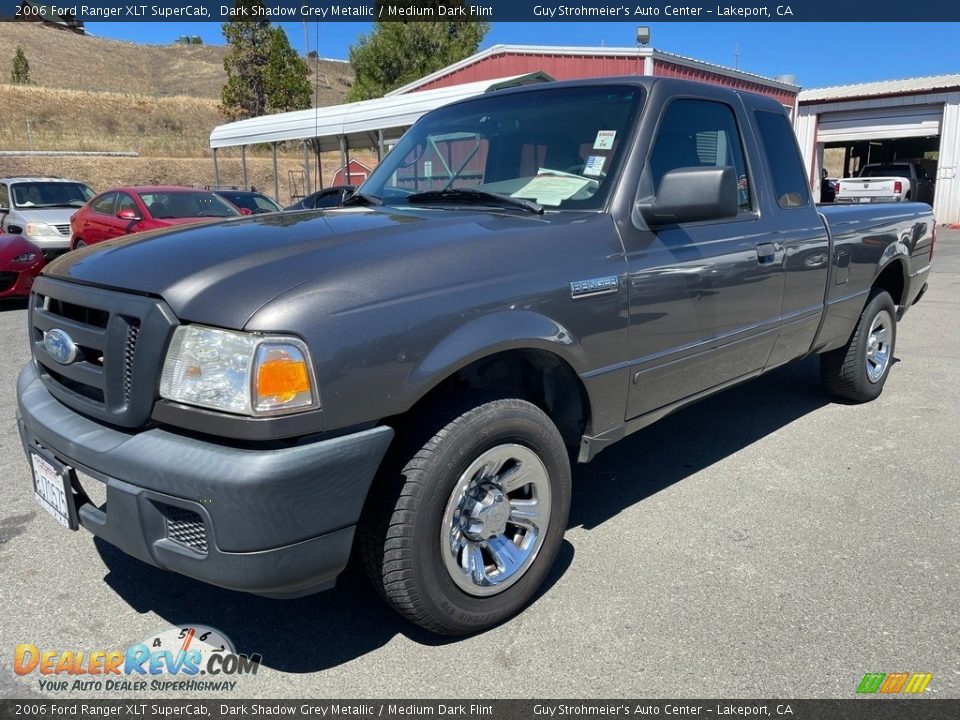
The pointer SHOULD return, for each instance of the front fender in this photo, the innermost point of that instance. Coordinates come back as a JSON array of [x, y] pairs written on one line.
[[489, 335]]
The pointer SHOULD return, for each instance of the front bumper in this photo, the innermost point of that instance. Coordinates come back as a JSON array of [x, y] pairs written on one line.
[[52, 246], [17, 283], [276, 522]]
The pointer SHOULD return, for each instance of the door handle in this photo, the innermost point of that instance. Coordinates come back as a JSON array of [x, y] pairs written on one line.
[[766, 253]]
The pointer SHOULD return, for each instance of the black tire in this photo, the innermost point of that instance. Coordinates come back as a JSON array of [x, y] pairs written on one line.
[[400, 533], [844, 370], [79, 244]]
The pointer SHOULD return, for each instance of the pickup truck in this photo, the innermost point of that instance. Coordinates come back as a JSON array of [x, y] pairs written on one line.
[[528, 277], [887, 182]]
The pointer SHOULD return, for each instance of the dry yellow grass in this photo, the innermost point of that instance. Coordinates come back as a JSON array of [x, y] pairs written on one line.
[[104, 173], [59, 119], [89, 93]]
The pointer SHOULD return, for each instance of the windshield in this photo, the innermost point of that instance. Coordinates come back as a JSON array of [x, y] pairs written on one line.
[[557, 147], [49, 194], [887, 171], [167, 205]]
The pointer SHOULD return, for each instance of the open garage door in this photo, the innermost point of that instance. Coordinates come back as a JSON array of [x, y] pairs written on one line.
[[880, 123]]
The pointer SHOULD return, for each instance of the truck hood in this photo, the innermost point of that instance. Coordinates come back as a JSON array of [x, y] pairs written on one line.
[[221, 274]]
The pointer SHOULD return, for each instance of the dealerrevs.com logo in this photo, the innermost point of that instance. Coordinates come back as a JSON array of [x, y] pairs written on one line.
[[894, 683], [189, 659]]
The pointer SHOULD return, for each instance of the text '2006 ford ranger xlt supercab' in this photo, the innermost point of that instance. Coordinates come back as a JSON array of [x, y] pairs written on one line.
[[527, 277]]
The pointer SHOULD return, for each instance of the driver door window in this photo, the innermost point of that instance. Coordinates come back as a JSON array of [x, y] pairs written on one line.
[[700, 133]]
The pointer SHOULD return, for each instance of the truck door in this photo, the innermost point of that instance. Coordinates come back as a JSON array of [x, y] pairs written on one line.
[[801, 234], [704, 296]]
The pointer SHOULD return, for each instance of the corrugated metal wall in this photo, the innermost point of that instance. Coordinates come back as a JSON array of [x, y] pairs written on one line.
[[561, 67], [947, 202], [663, 68], [572, 66]]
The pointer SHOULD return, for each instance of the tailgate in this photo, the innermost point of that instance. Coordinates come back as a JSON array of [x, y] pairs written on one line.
[[876, 188]]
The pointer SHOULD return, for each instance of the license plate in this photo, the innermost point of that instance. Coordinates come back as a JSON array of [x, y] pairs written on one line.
[[865, 199], [51, 488]]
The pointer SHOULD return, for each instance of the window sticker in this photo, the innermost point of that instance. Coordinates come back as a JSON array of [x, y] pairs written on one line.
[[593, 167], [604, 140]]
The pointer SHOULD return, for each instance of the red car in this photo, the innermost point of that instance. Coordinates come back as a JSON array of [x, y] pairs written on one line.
[[126, 210], [20, 262]]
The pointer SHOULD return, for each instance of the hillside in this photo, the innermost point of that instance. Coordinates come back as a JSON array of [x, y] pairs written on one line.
[[176, 126], [160, 101], [65, 60]]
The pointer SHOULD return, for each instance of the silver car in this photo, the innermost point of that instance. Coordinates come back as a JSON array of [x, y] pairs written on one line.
[[40, 208]]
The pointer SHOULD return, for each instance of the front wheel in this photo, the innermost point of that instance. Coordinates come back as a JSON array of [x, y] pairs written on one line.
[[475, 521], [857, 371]]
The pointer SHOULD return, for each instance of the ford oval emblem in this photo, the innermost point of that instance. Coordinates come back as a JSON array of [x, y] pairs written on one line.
[[60, 346]]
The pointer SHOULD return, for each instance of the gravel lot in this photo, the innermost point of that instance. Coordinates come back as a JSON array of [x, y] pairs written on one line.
[[763, 543]]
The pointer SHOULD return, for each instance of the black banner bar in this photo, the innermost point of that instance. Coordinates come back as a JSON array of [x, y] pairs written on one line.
[[637, 11], [140, 709]]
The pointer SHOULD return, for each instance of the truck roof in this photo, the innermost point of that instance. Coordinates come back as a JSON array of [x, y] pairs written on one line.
[[671, 85]]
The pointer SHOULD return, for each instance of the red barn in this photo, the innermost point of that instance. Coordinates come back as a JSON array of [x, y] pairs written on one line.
[[356, 174], [569, 63]]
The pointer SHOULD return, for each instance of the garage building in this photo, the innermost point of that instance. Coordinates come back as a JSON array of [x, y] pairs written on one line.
[[843, 128]]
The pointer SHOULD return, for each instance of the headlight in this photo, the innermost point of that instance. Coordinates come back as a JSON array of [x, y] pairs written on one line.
[[41, 229], [238, 372], [27, 257]]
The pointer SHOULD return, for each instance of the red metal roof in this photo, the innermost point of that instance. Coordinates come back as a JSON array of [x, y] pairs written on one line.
[[571, 63]]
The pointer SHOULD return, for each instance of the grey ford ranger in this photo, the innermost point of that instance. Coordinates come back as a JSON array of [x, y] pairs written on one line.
[[528, 277]]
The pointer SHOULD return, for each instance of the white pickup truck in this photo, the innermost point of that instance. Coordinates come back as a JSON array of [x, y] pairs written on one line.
[[887, 182]]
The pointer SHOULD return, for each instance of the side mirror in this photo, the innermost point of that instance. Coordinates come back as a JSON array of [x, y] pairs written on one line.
[[691, 194], [127, 214]]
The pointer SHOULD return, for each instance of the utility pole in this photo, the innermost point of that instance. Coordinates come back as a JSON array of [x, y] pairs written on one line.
[[736, 56]]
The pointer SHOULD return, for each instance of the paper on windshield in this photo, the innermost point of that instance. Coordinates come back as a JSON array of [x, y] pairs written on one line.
[[594, 165], [552, 187]]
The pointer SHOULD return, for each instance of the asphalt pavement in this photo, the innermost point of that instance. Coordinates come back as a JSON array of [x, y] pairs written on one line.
[[765, 542]]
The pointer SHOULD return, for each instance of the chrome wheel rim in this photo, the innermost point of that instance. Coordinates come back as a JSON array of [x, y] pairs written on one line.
[[496, 519], [878, 346]]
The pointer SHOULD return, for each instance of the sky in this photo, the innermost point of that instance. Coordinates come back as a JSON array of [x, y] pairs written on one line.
[[818, 54]]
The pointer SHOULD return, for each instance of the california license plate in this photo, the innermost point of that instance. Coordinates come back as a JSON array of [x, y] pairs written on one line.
[[51, 488]]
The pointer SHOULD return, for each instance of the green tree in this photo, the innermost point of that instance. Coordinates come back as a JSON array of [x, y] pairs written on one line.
[[396, 53], [287, 86], [20, 75], [264, 74]]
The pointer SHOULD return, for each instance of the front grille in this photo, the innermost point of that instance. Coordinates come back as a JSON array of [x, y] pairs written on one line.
[[185, 527], [63, 229], [86, 315], [120, 339], [7, 280], [129, 353]]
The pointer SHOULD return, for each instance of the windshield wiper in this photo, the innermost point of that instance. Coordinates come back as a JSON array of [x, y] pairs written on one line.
[[359, 198], [477, 197]]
